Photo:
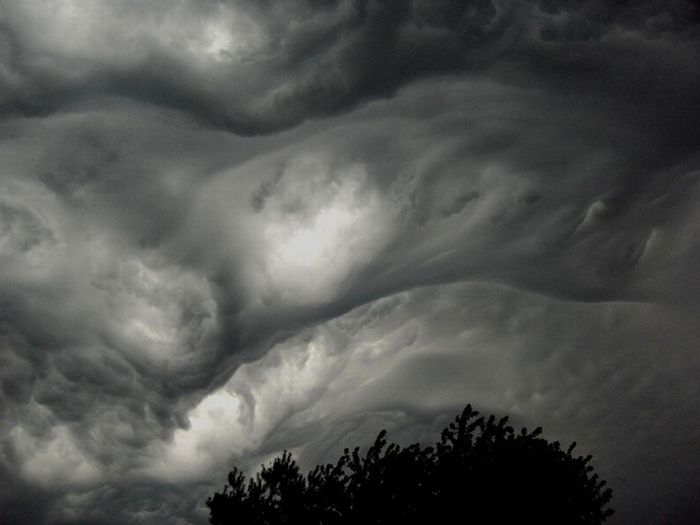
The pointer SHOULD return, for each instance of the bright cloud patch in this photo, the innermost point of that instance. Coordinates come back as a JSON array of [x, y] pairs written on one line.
[[320, 223], [155, 314], [54, 459]]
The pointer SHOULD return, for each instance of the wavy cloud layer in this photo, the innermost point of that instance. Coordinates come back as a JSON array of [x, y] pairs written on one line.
[[229, 228]]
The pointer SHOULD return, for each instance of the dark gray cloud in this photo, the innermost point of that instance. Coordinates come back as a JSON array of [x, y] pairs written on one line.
[[258, 67], [229, 228]]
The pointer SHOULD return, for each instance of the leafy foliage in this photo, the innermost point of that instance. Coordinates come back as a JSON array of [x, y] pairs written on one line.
[[481, 471]]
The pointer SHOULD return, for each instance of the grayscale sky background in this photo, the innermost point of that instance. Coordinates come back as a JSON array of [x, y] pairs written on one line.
[[233, 227]]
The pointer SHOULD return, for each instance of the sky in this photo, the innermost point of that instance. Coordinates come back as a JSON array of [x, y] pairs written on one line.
[[230, 228]]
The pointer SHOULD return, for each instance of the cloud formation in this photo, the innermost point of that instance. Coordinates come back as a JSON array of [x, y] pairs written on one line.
[[229, 228], [258, 67]]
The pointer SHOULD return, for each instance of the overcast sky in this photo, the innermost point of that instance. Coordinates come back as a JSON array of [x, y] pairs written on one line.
[[229, 228]]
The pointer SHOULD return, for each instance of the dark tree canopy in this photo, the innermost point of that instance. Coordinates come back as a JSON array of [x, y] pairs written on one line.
[[481, 471]]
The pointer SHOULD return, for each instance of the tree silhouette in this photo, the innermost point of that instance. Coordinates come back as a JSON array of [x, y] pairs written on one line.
[[481, 471]]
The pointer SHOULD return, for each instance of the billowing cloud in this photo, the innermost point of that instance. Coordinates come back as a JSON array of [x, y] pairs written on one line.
[[257, 67], [230, 228]]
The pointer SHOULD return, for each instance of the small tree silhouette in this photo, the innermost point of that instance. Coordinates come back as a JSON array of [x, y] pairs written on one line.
[[481, 471]]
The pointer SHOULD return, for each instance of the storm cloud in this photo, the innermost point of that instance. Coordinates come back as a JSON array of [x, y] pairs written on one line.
[[229, 228]]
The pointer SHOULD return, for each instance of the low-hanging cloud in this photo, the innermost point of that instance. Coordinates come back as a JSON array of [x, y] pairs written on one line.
[[229, 228], [259, 67]]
